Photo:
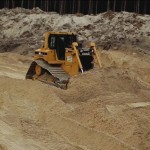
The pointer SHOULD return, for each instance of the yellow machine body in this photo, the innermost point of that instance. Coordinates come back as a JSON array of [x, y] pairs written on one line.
[[60, 53]]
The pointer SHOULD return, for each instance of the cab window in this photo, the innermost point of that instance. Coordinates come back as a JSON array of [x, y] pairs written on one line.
[[51, 42]]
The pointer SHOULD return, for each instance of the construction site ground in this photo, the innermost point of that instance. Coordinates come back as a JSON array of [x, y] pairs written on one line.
[[102, 109]]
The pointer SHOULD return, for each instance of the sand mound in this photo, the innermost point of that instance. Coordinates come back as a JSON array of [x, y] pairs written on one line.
[[25, 28], [95, 112], [101, 109], [98, 82], [35, 106]]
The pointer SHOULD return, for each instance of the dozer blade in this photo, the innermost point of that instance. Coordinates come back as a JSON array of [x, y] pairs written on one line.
[[53, 75]]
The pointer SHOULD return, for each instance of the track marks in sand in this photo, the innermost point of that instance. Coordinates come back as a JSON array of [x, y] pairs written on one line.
[[83, 136], [13, 140]]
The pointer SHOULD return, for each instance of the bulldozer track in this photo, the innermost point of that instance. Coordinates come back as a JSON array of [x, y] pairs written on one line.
[[60, 77], [56, 72]]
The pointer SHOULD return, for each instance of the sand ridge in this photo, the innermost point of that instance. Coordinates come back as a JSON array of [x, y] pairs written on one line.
[[93, 113]]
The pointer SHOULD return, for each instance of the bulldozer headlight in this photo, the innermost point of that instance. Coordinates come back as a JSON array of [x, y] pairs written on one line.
[[41, 53]]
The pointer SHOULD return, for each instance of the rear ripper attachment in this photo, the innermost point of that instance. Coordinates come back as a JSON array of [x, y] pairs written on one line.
[[60, 58]]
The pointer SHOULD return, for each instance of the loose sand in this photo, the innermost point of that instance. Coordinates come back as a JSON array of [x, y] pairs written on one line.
[[101, 109]]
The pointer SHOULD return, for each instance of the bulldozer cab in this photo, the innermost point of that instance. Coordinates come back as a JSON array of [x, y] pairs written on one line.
[[60, 42]]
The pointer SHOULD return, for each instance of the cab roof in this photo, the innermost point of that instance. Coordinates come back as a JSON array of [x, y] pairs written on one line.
[[61, 33]]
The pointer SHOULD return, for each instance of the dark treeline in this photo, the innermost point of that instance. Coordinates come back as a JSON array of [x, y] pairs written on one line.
[[81, 6]]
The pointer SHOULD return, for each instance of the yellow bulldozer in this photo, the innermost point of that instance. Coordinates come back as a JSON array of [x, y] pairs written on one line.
[[61, 57]]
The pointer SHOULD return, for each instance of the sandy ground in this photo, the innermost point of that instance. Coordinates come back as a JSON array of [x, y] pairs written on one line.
[[101, 109]]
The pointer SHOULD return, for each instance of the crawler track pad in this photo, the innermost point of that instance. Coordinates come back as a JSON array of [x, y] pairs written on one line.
[[54, 75]]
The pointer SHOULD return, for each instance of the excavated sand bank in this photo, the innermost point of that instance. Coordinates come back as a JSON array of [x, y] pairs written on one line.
[[101, 109], [25, 29]]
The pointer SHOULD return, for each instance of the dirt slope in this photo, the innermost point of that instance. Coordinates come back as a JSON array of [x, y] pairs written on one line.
[[25, 29], [102, 109]]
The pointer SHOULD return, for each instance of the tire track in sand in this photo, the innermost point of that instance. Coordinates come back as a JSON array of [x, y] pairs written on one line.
[[84, 137]]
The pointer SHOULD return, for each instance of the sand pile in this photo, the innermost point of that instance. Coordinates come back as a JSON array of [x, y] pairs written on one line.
[[112, 99], [101, 108], [25, 28]]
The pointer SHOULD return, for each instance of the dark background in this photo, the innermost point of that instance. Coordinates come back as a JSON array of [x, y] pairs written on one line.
[[81, 6]]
